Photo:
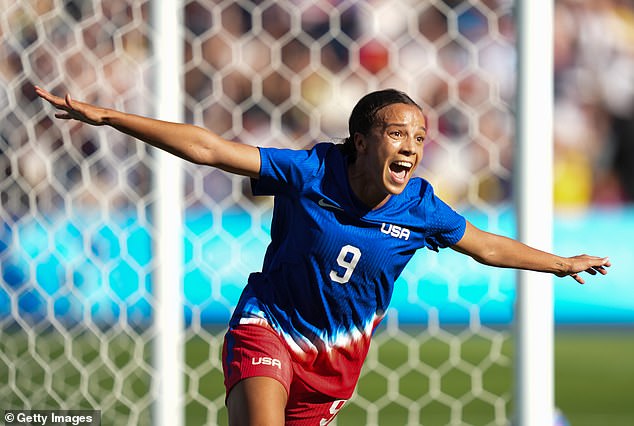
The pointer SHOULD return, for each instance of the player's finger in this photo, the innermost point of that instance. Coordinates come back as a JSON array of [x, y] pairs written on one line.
[[55, 100], [578, 278], [70, 103], [601, 270], [42, 93], [63, 115]]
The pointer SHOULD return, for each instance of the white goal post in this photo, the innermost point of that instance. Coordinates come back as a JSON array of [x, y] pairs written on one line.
[[170, 337], [535, 399]]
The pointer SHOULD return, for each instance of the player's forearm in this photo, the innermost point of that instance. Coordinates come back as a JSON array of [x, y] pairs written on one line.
[[508, 253], [183, 140], [496, 250]]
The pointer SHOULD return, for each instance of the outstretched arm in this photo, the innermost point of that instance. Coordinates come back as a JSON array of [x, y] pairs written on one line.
[[495, 250], [189, 142]]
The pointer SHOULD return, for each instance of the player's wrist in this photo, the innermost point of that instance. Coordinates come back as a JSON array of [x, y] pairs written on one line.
[[110, 117], [563, 267]]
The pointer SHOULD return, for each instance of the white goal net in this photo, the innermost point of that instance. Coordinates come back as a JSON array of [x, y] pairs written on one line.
[[76, 222]]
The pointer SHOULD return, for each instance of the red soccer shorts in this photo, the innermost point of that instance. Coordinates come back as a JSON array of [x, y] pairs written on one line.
[[256, 351]]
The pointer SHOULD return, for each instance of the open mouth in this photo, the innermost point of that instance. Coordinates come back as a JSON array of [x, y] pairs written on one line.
[[399, 170]]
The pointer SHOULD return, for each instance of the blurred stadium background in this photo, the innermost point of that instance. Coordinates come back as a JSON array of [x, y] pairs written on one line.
[[77, 229]]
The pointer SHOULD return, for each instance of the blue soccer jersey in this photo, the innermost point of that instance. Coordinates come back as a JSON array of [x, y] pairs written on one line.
[[329, 271]]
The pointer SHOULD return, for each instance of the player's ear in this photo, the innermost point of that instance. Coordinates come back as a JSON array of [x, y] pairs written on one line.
[[360, 143]]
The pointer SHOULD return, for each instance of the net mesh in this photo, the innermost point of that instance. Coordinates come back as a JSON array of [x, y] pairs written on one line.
[[76, 231]]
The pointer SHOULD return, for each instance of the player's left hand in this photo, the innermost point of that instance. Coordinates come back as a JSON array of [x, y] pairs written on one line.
[[584, 263]]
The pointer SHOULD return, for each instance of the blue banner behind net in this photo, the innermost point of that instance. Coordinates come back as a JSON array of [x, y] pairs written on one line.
[[80, 268]]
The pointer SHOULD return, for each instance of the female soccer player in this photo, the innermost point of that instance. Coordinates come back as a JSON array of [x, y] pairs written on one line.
[[347, 219]]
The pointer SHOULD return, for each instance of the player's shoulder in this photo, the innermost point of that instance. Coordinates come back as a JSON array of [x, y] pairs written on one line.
[[417, 197], [327, 155], [326, 149], [418, 187], [319, 151]]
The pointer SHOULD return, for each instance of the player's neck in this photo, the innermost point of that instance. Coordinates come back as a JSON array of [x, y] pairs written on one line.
[[363, 189]]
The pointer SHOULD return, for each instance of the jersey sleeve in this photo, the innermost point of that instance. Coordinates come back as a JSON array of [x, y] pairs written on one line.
[[446, 226], [284, 171]]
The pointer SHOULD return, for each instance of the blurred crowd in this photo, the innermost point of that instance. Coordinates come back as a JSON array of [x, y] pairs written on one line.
[[287, 74], [594, 101]]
